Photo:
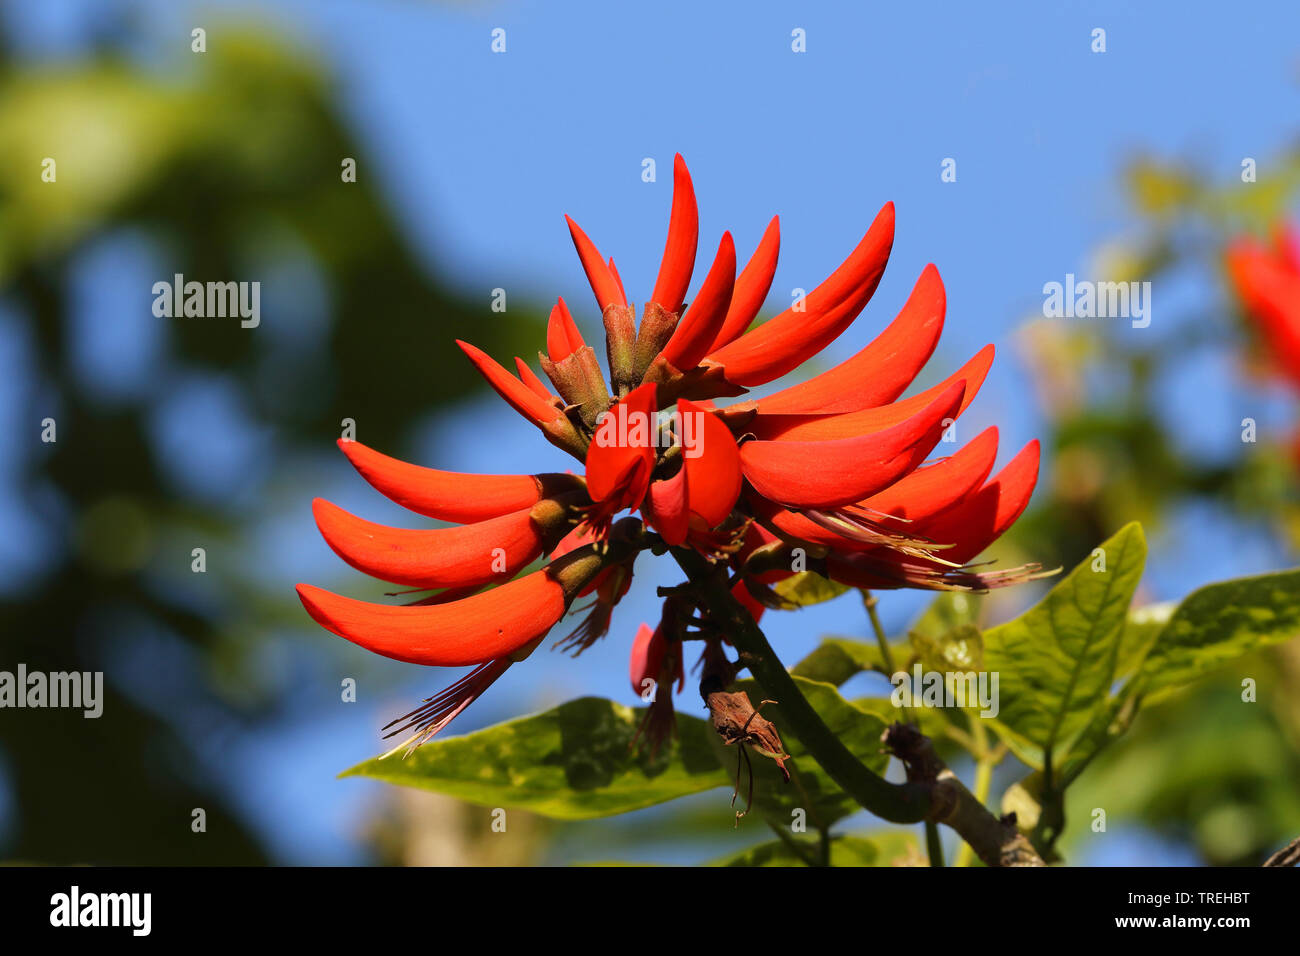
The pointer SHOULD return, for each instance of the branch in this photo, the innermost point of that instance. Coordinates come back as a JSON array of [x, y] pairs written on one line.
[[1289, 855], [932, 792], [995, 841]]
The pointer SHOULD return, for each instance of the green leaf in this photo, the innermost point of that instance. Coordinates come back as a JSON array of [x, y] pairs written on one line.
[[573, 762], [960, 649], [1057, 661], [807, 588], [810, 788], [1221, 622], [836, 659], [1140, 633], [946, 613], [845, 851]]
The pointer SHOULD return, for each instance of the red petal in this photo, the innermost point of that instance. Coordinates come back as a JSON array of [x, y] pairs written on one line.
[[928, 491], [478, 628], [562, 335], [529, 378], [827, 427], [603, 282], [613, 270], [752, 287], [520, 397], [883, 369], [668, 509], [615, 467], [647, 658], [647, 655], [446, 495], [828, 474], [683, 238], [786, 341], [699, 326], [982, 518], [714, 474], [463, 556]]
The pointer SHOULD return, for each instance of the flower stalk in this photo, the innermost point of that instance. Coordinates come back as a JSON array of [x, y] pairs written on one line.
[[932, 792]]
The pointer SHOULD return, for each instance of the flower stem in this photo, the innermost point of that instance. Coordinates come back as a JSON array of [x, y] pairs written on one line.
[[895, 802], [886, 653]]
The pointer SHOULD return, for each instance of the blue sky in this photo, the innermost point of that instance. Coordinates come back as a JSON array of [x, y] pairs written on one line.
[[481, 154]]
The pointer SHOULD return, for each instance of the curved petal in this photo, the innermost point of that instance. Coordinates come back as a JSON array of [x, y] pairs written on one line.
[[647, 659], [618, 279], [698, 327], [450, 495], [752, 286], [983, 517], [473, 630], [711, 462], [827, 474], [518, 395], [622, 452], [786, 341], [827, 427], [464, 556], [668, 509], [529, 378], [562, 335], [683, 238], [916, 497], [881, 371], [928, 491], [608, 290]]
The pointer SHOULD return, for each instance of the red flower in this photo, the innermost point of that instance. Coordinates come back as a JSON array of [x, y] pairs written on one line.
[[834, 470], [1268, 282]]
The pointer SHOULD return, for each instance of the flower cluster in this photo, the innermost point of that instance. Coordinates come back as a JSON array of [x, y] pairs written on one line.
[[833, 474]]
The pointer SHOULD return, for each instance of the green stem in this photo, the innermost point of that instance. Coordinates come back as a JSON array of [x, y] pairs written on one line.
[[933, 845], [886, 652], [895, 802]]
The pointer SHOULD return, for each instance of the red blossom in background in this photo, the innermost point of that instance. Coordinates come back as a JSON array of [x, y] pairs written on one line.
[[835, 471], [1267, 279]]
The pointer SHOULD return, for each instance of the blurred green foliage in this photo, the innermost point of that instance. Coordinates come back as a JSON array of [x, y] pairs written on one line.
[[229, 166]]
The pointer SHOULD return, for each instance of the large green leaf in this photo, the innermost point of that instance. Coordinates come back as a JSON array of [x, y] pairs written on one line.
[[1218, 623], [810, 788], [1057, 661], [948, 612], [836, 659], [572, 763]]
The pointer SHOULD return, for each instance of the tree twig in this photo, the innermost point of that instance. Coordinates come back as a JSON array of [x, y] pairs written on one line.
[[995, 841], [1289, 855]]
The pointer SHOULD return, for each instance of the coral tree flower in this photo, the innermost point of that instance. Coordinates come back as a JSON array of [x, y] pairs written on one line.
[[838, 470], [1267, 279]]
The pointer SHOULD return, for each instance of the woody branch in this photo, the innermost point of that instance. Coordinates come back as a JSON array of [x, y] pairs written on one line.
[[932, 791]]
